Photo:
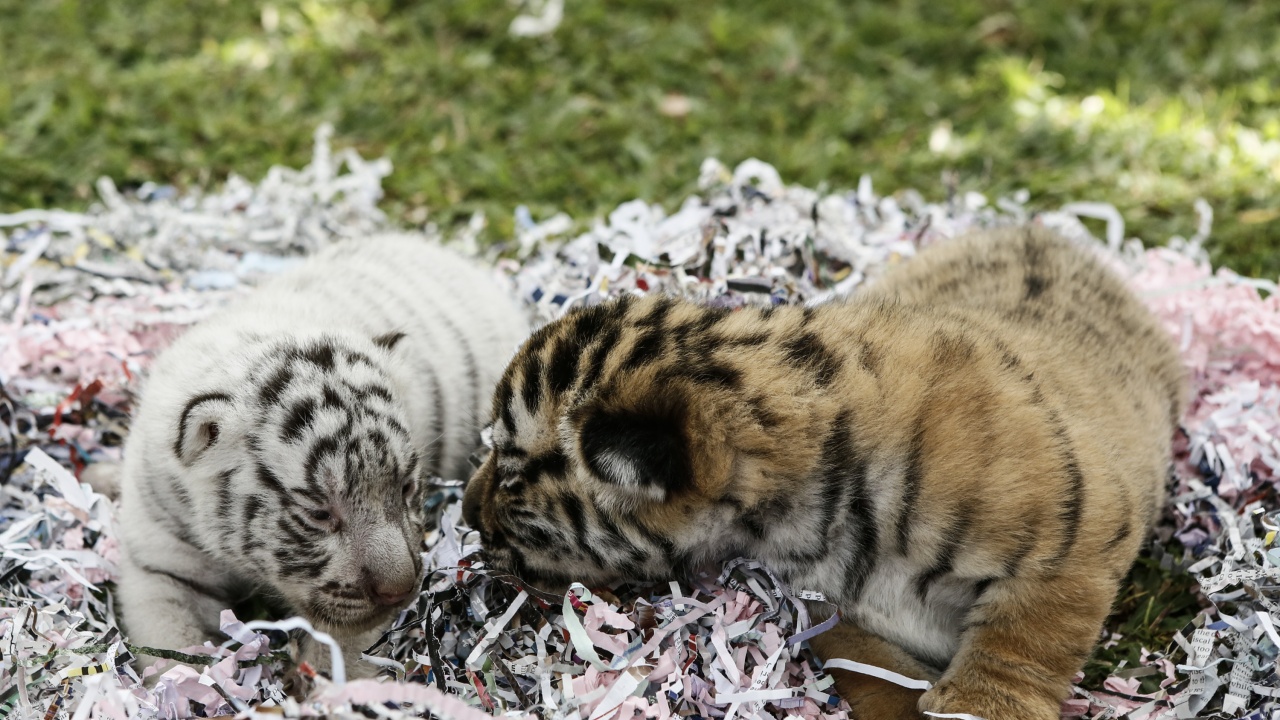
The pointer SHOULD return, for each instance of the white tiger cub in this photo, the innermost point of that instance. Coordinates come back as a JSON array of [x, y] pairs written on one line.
[[279, 446]]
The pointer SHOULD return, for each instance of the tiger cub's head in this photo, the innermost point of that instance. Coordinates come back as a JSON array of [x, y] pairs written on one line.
[[633, 439], [307, 470]]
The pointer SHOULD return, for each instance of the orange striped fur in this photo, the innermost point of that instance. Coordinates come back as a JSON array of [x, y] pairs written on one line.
[[965, 457]]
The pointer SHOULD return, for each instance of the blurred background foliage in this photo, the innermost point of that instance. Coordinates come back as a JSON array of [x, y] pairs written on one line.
[[1147, 105]]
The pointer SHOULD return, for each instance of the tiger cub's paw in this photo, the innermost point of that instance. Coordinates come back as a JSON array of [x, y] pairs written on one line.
[[882, 703], [881, 709], [988, 700]]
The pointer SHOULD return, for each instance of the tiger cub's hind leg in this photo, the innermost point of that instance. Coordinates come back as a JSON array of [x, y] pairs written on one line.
[[871, 698], [1025, 642]]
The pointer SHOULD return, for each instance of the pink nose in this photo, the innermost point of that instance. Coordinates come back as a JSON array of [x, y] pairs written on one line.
[[389, 595]]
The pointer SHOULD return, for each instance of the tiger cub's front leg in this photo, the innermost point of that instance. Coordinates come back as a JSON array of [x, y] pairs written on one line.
[[167, 610], [353, 644], [871, 698], [1026, 640]]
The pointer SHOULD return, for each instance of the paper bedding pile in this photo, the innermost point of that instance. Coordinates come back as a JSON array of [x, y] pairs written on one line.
[[88, 298]]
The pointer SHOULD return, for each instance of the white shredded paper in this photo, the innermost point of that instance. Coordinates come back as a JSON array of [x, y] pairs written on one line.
[[88, 298]]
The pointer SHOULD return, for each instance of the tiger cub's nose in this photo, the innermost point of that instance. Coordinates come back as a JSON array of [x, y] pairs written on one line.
[[390, 594], [387, 589]]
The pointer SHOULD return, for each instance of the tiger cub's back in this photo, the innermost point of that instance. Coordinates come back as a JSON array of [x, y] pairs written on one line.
[[457, 334], [1074, 324]]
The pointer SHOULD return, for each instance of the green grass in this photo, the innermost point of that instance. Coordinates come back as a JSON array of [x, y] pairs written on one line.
[[1153, 605], [1148, 105]]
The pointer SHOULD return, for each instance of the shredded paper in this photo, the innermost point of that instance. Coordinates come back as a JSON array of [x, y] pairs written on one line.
[[87, 299]]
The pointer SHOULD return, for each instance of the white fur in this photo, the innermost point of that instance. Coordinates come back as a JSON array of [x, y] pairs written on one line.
[[891, 608], [460, 330]]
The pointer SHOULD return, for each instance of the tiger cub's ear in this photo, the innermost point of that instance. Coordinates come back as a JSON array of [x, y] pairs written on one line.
[[388, 340], [200, 425], [643, 451]]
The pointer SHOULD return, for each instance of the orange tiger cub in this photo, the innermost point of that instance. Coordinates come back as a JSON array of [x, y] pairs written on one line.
[[964, 458]]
